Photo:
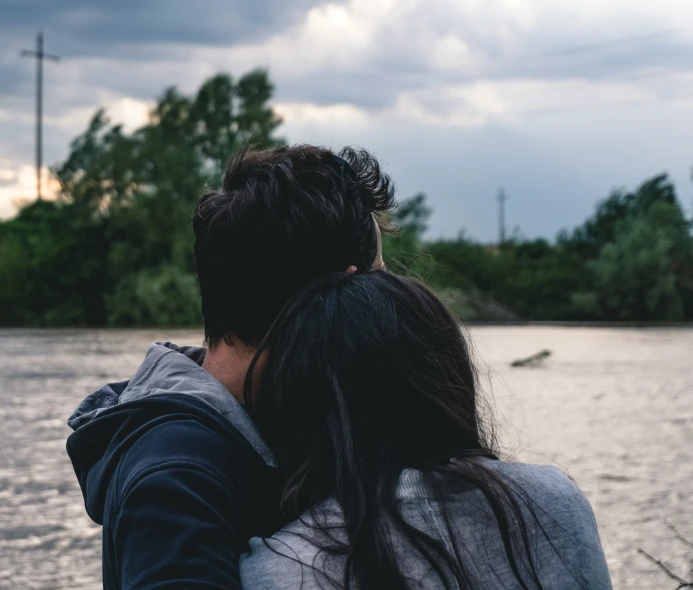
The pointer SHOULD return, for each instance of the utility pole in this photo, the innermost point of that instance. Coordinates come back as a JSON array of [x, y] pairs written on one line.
[[502, 198], [40, 56]]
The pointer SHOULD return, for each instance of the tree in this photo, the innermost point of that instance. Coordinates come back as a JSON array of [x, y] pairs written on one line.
[[411, 216], [116, 247], [646, 272], [600, 229], [118, 239], [402, 250]]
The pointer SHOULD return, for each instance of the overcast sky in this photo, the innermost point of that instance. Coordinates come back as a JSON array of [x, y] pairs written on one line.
[[557, 101]]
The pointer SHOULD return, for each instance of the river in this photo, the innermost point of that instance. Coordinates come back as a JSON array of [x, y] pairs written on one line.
[[613, 408]]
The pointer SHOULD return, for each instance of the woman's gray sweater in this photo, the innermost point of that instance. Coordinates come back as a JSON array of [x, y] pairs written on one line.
[[563, 536]]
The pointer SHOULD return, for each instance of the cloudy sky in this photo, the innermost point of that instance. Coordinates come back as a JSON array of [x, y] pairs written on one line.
[[558, 101]]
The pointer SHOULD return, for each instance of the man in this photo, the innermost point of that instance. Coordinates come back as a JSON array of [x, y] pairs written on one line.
[[169, 462]]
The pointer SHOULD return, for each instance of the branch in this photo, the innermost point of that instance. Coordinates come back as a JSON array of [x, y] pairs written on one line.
[[667, 571], [679, 536]]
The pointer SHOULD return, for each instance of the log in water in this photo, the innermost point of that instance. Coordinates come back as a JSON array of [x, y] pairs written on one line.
[[532, 361]]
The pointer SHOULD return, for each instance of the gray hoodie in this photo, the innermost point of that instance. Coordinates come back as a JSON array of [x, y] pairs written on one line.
[[569, 554]]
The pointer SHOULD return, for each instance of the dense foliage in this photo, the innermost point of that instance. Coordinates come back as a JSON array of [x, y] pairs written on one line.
[[631, 261], [115, 248]]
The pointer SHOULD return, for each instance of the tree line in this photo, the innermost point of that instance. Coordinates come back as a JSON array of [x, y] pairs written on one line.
[[115, 248], [631, 261]]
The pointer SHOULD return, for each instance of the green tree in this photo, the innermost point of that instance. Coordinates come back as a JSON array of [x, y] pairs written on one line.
[[646, 272], [163, 296], [589, 238], [402, 249], [411, 216], [115, 248], [119, 237]]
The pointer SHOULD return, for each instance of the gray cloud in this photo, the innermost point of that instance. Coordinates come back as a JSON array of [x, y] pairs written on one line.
[[83, 27], [131, 34], [551, 166], [397, 64], [133, 31]]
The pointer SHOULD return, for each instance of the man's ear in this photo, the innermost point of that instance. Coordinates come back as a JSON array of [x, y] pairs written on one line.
[[352, 268]]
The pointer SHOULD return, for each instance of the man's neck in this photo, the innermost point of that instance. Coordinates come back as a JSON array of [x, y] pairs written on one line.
[[229, 365]]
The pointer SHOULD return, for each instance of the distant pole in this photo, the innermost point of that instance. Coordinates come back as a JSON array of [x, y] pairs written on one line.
[[40, 56], [502, 198]]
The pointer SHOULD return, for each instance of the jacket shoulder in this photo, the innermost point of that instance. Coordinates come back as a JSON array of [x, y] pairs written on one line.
[[179, 444]]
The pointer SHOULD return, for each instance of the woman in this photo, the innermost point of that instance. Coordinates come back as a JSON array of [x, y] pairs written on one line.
[[368, 396]]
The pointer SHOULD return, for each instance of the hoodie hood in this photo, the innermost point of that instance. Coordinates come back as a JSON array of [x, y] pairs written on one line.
[[170, 369], [169, 385]]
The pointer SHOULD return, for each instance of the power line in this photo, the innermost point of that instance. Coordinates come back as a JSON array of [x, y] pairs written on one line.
[[640, 38], [629, 77], [650, 74], [624, 103], [499, 67], [40, 56]]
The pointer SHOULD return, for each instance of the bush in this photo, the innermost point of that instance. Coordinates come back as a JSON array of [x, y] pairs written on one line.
[[164, 296]]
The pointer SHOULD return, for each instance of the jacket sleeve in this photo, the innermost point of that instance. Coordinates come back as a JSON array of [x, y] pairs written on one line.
[[178, 526]]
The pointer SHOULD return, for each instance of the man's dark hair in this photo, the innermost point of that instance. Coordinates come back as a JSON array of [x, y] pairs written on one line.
[[282, 217]]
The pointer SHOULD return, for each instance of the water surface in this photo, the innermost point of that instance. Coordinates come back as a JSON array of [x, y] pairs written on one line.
[[612, 407]]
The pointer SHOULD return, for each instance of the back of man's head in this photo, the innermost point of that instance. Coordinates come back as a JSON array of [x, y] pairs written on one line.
[[282, 218]]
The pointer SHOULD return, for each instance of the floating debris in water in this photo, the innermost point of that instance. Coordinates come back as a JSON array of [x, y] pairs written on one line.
[[532, 361]]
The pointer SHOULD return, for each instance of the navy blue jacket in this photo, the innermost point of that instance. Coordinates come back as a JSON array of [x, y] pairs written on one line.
[[172, 467]]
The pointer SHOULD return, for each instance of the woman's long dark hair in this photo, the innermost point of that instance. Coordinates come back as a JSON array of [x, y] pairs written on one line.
[[363, 376]]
